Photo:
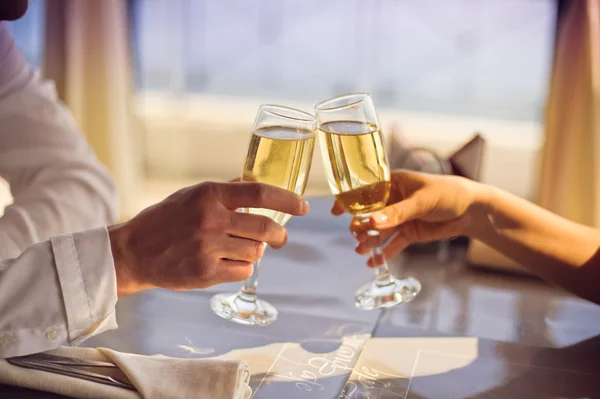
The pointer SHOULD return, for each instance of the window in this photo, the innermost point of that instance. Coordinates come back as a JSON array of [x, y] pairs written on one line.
[[28, 32], [441, 70], [487, 58]]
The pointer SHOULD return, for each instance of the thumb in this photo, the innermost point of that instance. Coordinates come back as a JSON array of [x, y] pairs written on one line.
[[399, 213]]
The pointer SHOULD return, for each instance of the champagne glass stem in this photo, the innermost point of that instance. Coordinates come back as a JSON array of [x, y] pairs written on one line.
[[248, 292], [382, 272]]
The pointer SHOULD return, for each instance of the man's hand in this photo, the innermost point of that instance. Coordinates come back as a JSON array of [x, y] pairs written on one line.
[[195, 238]]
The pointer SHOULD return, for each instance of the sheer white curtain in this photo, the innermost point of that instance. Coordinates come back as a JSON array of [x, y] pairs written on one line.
[[570, 176], [87, 54]]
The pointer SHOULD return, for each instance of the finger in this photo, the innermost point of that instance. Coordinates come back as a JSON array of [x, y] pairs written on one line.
[[242, 249], [257, 228], [337, 209], [236, 180], [392, 248], [229, 271], [364, 247], [399, 213], [260, 195], [365, 235], [360, 228], [419, 232], [367, 242]]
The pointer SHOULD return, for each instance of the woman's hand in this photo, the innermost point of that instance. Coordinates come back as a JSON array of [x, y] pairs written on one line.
[[425, 208], [421, 208]]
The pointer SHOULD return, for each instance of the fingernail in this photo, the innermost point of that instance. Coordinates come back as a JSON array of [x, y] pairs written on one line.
[[380, 218], [305, 206]]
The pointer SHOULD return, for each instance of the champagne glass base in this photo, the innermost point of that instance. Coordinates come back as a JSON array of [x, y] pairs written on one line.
[[242, 309], [373, 296]]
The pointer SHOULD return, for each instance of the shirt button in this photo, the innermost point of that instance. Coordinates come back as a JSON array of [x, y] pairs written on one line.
[[5, 340], [52, 334]]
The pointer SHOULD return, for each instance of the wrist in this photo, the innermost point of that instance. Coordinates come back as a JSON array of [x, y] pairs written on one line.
[[480, 209], [126, 281]]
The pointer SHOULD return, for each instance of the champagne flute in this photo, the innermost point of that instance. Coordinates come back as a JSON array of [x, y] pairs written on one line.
[[280, 154], [358, 173]]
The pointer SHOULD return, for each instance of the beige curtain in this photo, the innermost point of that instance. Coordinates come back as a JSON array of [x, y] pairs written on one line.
[[87, 54], [570, 174]]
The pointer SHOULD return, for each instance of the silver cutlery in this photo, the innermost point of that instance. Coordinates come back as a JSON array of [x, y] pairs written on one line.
[[67, 361], [71, 367]]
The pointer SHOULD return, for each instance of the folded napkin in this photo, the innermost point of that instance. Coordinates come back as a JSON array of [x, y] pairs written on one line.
[[153, 376]]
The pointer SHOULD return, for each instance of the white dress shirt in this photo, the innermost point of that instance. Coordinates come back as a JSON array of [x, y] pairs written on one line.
[[55, 288]]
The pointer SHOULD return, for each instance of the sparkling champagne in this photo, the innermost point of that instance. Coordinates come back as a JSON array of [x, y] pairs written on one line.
[[357, 171], [281, 157]]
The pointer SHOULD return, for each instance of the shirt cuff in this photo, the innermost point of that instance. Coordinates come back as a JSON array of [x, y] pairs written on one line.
[[88, 282]]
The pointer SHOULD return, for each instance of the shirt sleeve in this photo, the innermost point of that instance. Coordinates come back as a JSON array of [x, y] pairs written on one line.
[[62, 286], [57, 292], [56, 182]]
